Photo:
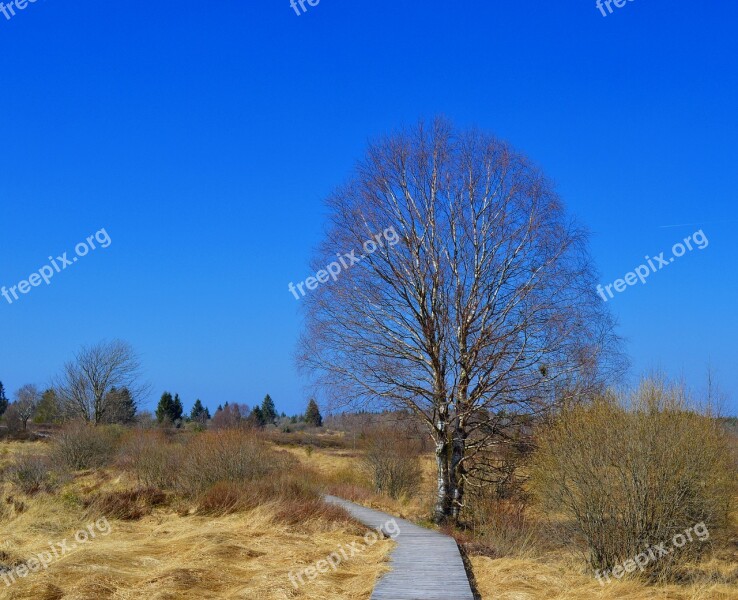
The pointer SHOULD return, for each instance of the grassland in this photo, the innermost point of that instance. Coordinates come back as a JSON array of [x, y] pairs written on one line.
[[174, 553], [168, 549], [522, 568]]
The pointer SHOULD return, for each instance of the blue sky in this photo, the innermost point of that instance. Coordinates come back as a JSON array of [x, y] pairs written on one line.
[[204, 137]]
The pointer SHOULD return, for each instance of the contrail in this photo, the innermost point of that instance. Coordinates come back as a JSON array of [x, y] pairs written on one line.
[[698, 223]]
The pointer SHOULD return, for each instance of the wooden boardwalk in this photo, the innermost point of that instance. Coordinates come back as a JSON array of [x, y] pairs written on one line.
[[426, 565]]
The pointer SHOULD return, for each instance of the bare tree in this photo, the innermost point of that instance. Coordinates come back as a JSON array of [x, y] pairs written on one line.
[[88, 384], [26, 401], [483, 312]]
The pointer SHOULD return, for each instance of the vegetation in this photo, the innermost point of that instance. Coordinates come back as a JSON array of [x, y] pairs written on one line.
[[630, 474], [87, 386], [48, 409], [572, 492], [79, 445], [476, 306], [239, 533], [392, 461], [312, 414], [169, 410], [200, 414], [3, 400], [268, 410], [26, 401]]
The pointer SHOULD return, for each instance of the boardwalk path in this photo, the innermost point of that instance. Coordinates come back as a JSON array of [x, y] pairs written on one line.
[[426, 565]]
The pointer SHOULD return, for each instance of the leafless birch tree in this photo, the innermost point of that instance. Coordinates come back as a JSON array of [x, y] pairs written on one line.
[[483, 313], [26, 401], [84, 388]]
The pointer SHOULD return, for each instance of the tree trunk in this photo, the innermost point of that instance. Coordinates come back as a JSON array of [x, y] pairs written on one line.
[[442, 509], [457, 473]]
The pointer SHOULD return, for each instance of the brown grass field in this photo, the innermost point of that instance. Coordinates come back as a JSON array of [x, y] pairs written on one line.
[[528, 575], [173, 553]]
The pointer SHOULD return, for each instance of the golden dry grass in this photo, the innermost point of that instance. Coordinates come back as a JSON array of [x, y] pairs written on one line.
[[342, 475], [551, 576], [8, 450], [167, 556], [174, 554], [563, 579]]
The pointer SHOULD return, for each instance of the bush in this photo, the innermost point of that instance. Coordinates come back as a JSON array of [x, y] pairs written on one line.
[[392, 462], [13, 419], [79, 445], [630, 478], [151, 458], [34, 473], [228, 455], [499, 526], [223, 498]]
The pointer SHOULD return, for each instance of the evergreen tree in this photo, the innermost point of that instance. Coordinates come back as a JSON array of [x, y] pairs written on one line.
[[268, 410], [220, 407], [256, 418], [121, 408], [199, 412], [312, 414], [177, 409], [164, 409], [3, 399], [48, 410]]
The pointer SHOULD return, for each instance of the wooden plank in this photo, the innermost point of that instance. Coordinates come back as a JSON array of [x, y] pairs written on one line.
[[426, 565]]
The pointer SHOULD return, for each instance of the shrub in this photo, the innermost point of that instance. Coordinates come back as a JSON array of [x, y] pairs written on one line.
[[500, 526], [150, 457], [228, 455], [79, 445], [392, 461], [34, 473], [222, 498], [631, 477]]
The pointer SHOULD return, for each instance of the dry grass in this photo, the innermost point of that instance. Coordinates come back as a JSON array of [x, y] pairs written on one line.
[[523, 572], [165, 551], [168, 557], [562, 579], [174, 551], [341, 474]]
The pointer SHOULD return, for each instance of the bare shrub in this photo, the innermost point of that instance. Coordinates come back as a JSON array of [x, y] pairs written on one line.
[[221, 499], [499, 526], [13, 419], [150, 457], [293, 494], [628, 477], [392, 462], [79, 445], [229, 455], [34, 473]]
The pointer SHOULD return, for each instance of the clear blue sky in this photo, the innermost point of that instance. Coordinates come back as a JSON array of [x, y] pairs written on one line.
[[203, 136]]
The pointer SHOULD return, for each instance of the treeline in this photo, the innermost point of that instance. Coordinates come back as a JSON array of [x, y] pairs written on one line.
[[101, 385], [171, 412]]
